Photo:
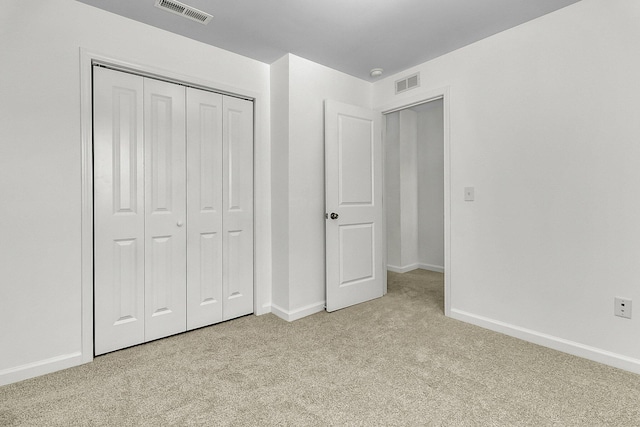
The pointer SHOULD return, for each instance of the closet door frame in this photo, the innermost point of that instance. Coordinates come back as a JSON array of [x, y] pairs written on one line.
[[261, 257]]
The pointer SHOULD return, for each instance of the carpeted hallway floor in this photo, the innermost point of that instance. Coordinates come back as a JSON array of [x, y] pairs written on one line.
[[395, 361]]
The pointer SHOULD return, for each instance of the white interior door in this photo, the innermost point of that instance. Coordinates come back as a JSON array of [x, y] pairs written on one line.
[[353, 186], [118, 210], [204, 208], [237, 205], [165, 209]]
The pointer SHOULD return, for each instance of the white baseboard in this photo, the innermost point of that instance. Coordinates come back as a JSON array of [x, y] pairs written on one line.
[[431, 267], [404, 269], [299, 313], [592, 353], [41, 367], [410, 267]]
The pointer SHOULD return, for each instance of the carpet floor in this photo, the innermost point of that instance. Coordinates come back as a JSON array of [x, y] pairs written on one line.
[[394, 361]]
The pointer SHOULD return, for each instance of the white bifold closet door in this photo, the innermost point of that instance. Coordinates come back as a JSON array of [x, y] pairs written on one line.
[[165, 254], [237, 205], [118, 210], [204, 199], [173, 208], [220, 208]]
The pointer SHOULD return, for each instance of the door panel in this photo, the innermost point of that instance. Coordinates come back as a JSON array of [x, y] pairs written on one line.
[[204, 208], [356, 264], [237, 205], [165, 203], [353, 186], [118, 210], [356, 149]]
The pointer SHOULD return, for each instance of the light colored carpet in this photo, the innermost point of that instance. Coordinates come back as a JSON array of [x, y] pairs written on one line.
[[395, 361]]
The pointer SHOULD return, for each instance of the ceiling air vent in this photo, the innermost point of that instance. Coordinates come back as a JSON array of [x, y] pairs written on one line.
[[184, 10], [407, 83]]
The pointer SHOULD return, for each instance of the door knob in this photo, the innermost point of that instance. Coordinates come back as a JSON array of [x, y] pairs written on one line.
[[180, 223], [334, 215]]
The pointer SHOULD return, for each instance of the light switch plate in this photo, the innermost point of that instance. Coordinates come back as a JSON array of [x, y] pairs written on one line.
[[469, 194]]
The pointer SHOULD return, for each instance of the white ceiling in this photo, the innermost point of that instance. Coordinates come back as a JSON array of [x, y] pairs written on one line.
[[352, 36]]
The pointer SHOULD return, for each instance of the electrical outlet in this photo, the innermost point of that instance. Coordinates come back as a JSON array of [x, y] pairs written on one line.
[[622, 307]]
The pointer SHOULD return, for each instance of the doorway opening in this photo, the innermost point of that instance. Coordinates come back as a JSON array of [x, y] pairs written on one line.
[[414, 148]]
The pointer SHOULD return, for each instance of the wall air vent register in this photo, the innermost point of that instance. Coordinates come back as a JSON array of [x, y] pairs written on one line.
[[407, 83]]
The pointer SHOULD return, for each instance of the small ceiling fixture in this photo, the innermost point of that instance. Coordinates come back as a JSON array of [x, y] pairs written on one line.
[[376, 72]]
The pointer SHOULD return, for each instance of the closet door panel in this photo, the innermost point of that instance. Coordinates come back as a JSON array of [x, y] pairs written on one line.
[[237, 205], [204, 208], [118, 210], [165, 206]]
